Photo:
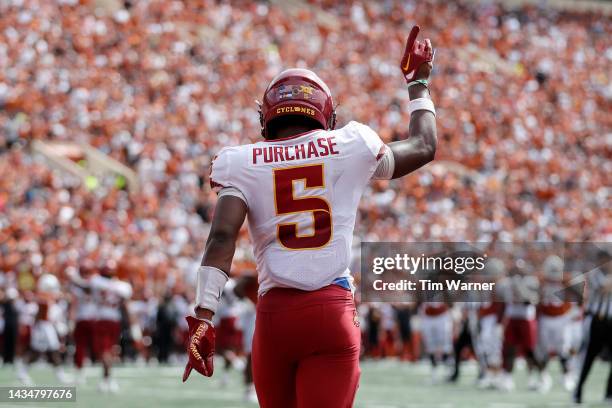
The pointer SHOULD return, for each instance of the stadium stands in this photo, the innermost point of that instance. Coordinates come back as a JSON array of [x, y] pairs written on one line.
[[523, 101]]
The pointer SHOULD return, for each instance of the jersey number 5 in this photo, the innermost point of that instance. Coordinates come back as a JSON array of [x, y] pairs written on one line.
[[287, 203]]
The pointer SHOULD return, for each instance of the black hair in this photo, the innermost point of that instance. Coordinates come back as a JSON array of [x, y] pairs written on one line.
[[290, 120]]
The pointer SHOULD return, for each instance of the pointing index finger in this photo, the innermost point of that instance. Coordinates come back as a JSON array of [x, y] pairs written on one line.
[[412, 38]]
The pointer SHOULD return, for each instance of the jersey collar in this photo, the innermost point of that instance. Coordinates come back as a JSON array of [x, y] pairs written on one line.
[[291, 137]]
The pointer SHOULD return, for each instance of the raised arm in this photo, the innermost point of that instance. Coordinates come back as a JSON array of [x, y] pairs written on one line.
[[420, 146]]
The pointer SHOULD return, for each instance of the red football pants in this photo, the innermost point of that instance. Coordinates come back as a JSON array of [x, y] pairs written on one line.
[[306, 348], [84, 341], [521, 333], [106, 334]]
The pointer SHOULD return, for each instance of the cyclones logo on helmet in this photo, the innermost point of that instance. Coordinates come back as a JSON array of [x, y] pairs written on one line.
[[298, 91]]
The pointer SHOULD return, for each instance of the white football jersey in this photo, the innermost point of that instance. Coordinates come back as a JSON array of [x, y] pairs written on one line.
[[302, 195], [108, 294], [87, 308]]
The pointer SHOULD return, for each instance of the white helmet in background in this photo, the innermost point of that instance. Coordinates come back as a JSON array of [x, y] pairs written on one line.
[[495, 267], [553, 267], [12, 293], [48, 283]]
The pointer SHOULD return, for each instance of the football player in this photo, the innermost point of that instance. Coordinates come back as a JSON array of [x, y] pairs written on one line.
[[520, 293], [46, 330], [437, 332], [300, 188], [110, 293], [554, 323], [27, 309], [490, 333], [84, 310]]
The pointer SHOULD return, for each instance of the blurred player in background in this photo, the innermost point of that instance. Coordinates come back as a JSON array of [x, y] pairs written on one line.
[[466, 339], [520, 330], [490, 329], [84, 312], [554, 323], [576, 326], [404, 314], [388, 329], [109, 295], [301, 189], [437, 332], [26, 310], [46, 330], [371, 328], [165, 324]]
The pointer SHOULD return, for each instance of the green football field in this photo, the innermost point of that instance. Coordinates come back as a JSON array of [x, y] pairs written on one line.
[[384, 384]]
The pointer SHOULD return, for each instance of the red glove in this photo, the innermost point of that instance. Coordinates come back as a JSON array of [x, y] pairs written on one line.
[[415, 54], [201, 348]]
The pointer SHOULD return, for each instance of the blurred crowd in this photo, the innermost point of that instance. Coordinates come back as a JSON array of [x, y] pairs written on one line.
[[522, 98]]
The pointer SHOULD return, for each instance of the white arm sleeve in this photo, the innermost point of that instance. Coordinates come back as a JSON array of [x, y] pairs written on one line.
[[386, 166]]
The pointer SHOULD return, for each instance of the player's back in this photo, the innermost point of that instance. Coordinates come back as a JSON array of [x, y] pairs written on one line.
[[302, 195]]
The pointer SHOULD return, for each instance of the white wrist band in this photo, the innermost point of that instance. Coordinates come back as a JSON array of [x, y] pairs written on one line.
[[421, 104], [210, 284]]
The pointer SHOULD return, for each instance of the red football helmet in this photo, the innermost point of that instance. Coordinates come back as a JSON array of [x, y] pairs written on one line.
[[297, 91]]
